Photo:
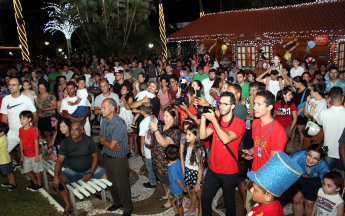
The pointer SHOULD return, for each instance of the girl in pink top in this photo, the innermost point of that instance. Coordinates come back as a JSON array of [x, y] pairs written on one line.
[[163, 97]]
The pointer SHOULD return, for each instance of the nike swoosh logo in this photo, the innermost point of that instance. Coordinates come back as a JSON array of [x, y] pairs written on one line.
[[10, 107]]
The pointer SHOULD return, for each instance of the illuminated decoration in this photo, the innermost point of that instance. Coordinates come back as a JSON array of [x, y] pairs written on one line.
[[63, 21], [310, 60], [202, 14], [207, 58], [179, 48], [225, 62], [321, 40], [202, 49], [162, 31], [21, 30], [212, 47]]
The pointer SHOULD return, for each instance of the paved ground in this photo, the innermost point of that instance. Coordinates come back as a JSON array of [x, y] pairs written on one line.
[[145, 200]]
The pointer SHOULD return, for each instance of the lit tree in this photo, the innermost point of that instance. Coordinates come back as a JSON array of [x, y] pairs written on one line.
[[65, 20]]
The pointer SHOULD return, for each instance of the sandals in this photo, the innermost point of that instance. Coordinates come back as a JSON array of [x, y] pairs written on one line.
[[66, 213], [188, 206]]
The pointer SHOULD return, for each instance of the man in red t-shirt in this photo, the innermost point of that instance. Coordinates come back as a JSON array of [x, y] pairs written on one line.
[[223, 170], [177, 69], [268, 135]]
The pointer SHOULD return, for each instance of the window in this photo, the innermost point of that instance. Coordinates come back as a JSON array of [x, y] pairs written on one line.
[[246, 55], [341, 56], [266, 51]]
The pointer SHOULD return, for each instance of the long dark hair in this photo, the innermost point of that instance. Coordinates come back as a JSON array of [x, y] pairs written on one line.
[[199, 150], [128, 95], [60, 136], [280, 96], [300, 80], [316, 147]]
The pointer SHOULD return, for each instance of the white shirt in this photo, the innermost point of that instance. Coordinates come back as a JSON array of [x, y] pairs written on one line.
[[118, 68], [68, 76], [100, 98], [82, 93], [142, 94], [187, 162], [298, 72], [207, 83], [13, 107], [315, 107], [326, 205], [333, 124], [143, 127], [110, 77], [215, 65], [87, 79], [273, 86]]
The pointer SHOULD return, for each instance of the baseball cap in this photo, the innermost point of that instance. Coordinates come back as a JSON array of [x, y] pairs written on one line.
[[232, 66]]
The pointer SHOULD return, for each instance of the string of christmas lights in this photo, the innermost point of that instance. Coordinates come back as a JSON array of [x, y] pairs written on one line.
[[162, 32], [21, 30]]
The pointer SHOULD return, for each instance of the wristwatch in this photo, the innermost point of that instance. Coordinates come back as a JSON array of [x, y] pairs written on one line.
[[92, 173], [102, 140]]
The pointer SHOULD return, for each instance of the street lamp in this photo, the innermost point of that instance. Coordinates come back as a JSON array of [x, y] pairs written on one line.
[[46, 43], [150, 45], [60, 50]]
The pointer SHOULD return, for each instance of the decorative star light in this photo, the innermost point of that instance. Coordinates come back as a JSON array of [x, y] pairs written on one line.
[[63, 21]]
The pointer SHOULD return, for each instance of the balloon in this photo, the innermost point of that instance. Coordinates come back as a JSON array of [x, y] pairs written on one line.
[[224, 47], [311, 44], [287, 56]]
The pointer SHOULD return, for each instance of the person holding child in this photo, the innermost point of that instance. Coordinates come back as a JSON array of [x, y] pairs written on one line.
[[30, 152], [314, 166], [6, 167]]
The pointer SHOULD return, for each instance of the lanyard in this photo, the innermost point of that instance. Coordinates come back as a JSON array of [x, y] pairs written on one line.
[[260, 140]]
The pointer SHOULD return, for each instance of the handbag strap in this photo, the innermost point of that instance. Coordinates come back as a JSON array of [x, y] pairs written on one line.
[[226, 145], [303, 95]]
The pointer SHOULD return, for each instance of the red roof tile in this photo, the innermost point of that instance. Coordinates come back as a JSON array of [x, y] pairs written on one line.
[[308, 18]]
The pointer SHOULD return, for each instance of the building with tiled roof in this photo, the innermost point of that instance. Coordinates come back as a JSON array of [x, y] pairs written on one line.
[[250, 33]]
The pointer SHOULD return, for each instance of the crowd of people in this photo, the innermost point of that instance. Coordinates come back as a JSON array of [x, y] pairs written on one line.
[[197, 126]]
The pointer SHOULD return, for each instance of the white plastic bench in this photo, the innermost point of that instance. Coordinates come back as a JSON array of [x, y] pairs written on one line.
[[77, 189]]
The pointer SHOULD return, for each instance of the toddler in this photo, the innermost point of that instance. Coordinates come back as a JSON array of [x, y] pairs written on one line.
[[176, 182], [110, 75], [143, 93], [329, 202], [82, 100], [6, 167], [30, 152]]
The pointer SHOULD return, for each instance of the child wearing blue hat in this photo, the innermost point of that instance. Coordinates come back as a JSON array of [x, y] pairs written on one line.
[[270, 182]]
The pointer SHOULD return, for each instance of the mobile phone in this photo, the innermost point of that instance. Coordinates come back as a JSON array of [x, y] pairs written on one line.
[[153, 119], [198, 93], [243, 153], [61, 188]]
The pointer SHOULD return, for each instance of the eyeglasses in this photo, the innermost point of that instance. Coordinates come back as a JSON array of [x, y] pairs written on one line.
[[309, 156], [223, 104]]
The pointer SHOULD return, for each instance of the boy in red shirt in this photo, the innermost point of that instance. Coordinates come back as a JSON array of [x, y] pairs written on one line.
[[227, 134], [30, 152], [268, 135], [270, 182]]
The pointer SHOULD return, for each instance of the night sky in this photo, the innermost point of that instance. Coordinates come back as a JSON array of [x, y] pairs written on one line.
[[175, 11]]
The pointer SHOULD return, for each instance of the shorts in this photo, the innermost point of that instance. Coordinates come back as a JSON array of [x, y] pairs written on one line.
[[309, 187], [73, 176], [29, 164], [191, 178], [80, 111], [44, 124], [6, 169], [13, 140], [164, 179], [176, 198]]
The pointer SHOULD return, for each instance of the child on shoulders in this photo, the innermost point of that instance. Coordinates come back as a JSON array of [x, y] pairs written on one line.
[[82, 100]]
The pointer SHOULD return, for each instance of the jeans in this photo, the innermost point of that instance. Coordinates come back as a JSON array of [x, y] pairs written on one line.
[[80, 111], [206, 168], [152, 177], [334, 163], [211, 184]]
